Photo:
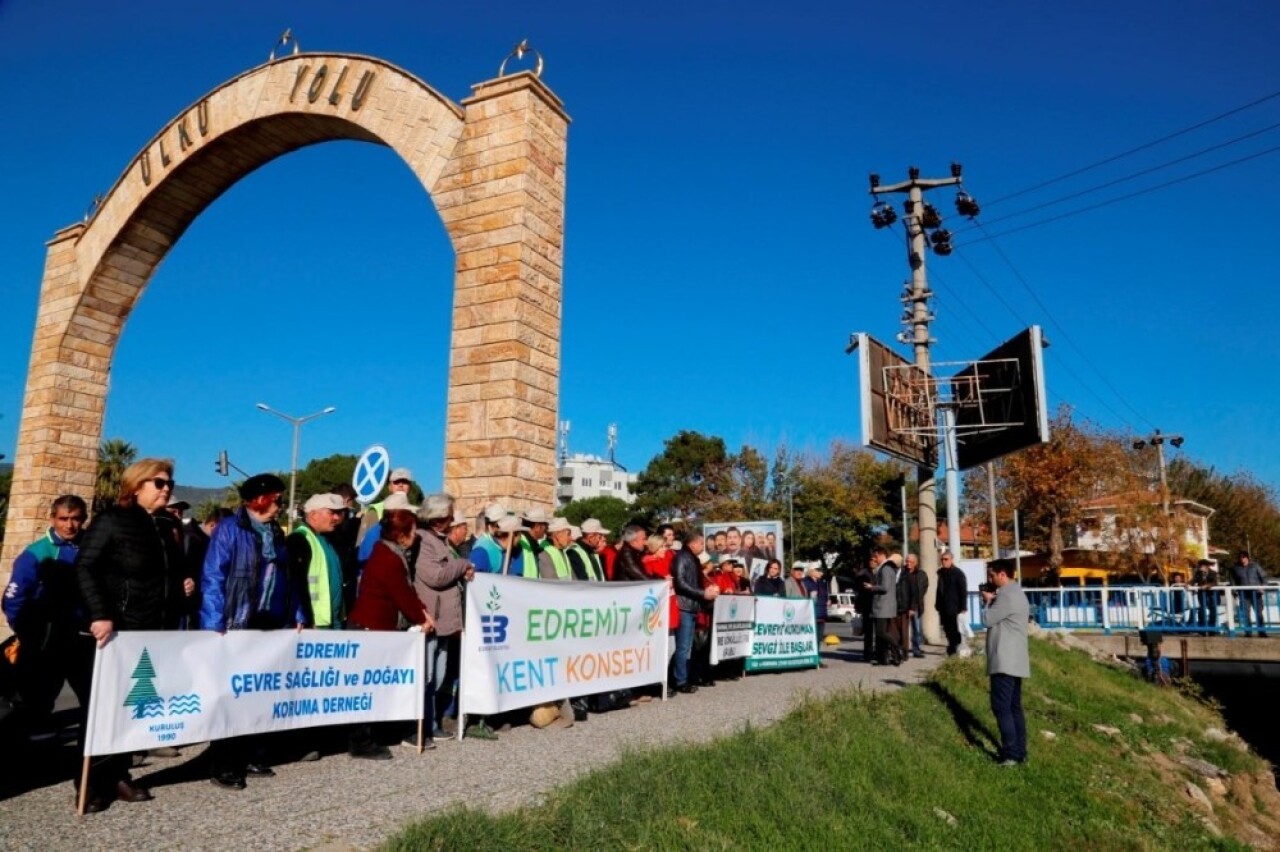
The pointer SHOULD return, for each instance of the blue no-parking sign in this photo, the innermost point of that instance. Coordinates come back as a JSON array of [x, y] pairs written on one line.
[[371, 474]]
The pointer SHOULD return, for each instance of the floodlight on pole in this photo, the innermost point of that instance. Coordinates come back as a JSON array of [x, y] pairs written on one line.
[[297, 430], [1157, 439]]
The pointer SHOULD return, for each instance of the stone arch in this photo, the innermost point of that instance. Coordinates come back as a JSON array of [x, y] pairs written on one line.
[[493, 166]]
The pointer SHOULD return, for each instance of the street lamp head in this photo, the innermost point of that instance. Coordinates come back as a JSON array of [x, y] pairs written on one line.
[[1138, 445], [1176, 440], [330, 410], [262, 406]]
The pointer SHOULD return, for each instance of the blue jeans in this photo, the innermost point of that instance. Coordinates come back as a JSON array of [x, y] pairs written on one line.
[[916, 635], [684, 646], [1006, 703], [1251, 600], [1207, 615]]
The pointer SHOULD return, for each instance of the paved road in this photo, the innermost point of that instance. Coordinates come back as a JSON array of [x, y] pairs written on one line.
[[345, 802]]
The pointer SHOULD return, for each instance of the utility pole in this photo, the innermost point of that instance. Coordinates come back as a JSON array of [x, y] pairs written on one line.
[[995, 517], [918, 217], [1156, 439]]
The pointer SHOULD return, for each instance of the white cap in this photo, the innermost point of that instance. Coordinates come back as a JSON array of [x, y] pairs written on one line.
[[324, 501], [459, 520], [398, 500], [535, 516], [557, 524], [399, 474], [510, 524], [495, 512], [575, 532], [591, 525]]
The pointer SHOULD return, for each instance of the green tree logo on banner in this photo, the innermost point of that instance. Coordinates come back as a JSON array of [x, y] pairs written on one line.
[[143, 698]]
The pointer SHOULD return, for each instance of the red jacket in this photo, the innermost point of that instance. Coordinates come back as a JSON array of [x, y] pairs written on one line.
[[659, 565], [608, 553], [385, 592], [704, 611]]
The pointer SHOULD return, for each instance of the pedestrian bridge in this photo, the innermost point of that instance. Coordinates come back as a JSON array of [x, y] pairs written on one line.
[[1224, 612]]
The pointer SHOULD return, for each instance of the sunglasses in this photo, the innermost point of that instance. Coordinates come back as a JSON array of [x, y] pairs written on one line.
[[161, 483]]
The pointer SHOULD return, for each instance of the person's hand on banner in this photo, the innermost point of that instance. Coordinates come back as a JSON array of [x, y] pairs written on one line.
[[301, 626], [470, 573], [188, 587], [428, 626], [102, 631], [712, 592]]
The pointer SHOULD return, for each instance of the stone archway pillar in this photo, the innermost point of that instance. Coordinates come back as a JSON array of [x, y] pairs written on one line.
[[65, 399], [502, 200]]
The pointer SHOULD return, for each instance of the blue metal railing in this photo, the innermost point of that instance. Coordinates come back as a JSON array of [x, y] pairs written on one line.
[[1220, 611]]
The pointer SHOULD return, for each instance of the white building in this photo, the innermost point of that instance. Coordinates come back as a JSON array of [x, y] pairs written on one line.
[[581, 476], [1107, 523]]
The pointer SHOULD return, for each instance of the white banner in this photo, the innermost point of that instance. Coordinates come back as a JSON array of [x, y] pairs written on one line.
[[530, 642], [153, 688], [731, 627], [785, 635]]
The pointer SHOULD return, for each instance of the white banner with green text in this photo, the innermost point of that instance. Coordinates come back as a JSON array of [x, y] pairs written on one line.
[[531, 642], [732, 627], [785, 636]]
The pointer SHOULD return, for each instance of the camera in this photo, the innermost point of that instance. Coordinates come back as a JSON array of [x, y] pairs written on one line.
[[987, 588]]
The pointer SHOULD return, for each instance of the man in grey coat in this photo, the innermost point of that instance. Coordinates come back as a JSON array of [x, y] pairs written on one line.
[[884, 608], [1008, 662]]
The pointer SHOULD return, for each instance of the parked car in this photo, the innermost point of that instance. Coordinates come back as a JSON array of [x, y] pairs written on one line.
[[840, 606]]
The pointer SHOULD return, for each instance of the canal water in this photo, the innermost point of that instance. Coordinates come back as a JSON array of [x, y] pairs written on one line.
[[1248, 704]]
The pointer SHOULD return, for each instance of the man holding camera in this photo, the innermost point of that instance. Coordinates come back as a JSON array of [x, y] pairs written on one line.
[[1008, 662]]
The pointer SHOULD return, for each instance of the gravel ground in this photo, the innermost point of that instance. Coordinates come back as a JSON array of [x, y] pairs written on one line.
[[341, 803]]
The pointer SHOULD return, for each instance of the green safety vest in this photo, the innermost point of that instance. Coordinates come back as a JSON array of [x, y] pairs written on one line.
[[560, 561], [592, 573], [322, 601]]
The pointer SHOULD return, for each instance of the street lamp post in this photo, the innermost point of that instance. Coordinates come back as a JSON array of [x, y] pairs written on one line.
[[297, 431]]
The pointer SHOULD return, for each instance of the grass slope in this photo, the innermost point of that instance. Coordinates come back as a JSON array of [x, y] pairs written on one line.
[[863, 771]]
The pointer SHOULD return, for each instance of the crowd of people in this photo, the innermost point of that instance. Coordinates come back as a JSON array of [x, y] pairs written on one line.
[[392, 565]]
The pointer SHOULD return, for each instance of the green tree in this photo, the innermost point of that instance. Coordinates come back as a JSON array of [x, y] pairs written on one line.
[[143, 694], [745, 491], [685, 480], [1246, 512], [842, 502], [611, 512], [114, 455]]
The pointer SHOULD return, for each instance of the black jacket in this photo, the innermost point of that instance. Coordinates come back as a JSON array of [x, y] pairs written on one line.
[[686, 576], [771, 587], [629, 566], [904, 590], [953, 591], [130, 571], [919, 590], [863, 597]]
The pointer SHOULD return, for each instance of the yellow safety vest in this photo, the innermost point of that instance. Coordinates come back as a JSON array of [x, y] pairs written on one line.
[[560, 562], [592, 573], [318, 581]]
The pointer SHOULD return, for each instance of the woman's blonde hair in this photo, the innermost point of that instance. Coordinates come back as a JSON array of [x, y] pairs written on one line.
[[654, 543], [139, 472]]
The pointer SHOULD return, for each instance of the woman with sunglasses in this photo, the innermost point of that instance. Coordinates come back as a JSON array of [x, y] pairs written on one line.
[[131, 575]]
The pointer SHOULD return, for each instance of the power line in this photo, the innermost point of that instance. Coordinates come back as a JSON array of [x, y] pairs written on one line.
[[1132, 151], [1125, 197], [1061, 329], [1129, 177]]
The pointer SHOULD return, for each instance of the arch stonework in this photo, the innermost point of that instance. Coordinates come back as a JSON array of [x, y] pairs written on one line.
[[494, 166]]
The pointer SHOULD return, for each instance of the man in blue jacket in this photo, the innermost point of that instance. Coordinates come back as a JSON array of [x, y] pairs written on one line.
[[43, 609], [245, 586]]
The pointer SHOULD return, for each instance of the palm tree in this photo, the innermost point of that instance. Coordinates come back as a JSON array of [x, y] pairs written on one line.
[[114, 456]]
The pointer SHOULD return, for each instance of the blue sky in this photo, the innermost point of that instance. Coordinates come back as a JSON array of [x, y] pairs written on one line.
[[718, 251]]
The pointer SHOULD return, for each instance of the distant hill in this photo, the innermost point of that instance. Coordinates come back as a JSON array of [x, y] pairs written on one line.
[[195, 496]]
